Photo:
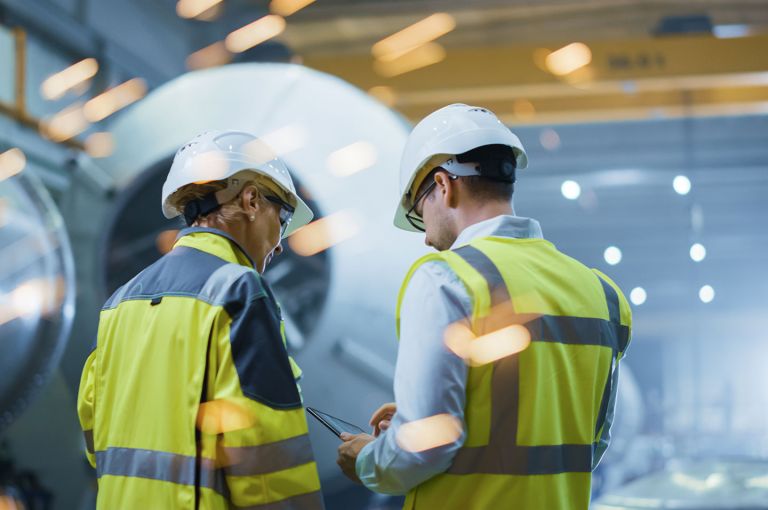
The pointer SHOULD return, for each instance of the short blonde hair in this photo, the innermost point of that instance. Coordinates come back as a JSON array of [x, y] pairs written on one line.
[[230, 211], [227, 213]]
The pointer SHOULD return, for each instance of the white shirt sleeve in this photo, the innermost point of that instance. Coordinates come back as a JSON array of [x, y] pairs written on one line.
[[429, 380]]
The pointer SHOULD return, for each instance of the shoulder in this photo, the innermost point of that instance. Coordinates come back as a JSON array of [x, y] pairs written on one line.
[[240, 288], [625, 309], [434, 283], [192, 273], [432, 272]]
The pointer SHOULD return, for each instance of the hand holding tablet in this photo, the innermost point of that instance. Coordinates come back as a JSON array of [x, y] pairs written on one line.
[[335, 425]]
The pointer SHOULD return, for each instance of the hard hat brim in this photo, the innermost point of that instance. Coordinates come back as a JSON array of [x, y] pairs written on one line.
[[401, 222], [301, 216]]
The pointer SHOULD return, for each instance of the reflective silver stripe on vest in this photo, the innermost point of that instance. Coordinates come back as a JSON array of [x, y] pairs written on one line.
[[309, 501], [156, 465], [485, 266], [554, 328], [614, 312], [268, 458], [501, 455]]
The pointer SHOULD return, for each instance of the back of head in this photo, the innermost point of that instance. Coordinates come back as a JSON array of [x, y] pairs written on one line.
[[496, 166], [210, 170], [464, 134], [196, 200]]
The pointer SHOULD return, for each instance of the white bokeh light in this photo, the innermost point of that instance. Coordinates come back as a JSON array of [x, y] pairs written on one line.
[[698, 252], [638, 296], [612, 255], [571, 190], [706, 294], [682, 185]]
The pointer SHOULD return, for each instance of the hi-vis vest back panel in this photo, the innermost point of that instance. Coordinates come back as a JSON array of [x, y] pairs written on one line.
[[189, 400], [533, 419]]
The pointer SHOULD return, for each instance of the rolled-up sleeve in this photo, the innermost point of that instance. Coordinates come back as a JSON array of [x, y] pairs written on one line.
[[429, 380]]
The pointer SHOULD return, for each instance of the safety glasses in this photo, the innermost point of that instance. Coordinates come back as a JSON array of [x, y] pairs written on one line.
[[286, 212], [413, 216]]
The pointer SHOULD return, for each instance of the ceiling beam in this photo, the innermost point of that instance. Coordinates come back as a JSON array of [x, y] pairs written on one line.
[[638, 78]]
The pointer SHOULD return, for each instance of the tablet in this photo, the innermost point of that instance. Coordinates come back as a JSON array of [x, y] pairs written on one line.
[[335, 425]]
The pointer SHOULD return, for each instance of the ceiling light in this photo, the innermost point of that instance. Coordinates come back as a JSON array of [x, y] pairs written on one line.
[[194, 8], [612, 255], [731, 31], [568, 59], [56, 85], [524, 110], [287, 7], [212, 55], [12, 162], [114, 99], [698, 252], [682, 185], [638, 296], [413, 36], [255, 33], [571, 190], [549, 139], [422, 56], [706, 294], [100, 145]]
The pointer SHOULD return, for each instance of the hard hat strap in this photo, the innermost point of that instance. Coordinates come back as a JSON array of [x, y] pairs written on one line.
[[494, 162], [200, 207], [462, 169]]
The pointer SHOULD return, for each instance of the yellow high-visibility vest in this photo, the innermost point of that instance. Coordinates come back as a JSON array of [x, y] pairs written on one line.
[[533, 418], [190, 400]]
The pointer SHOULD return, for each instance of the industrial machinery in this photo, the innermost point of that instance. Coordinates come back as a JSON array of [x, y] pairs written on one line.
[[700, 484], [37, 291]]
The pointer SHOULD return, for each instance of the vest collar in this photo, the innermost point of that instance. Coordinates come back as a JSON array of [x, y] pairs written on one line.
[[215, 242], [500, 226]]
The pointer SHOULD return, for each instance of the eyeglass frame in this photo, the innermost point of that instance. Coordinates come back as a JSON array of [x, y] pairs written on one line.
[[286, 211], [413, 218]]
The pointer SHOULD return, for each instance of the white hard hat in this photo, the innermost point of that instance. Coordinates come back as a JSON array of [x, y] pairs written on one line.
[[449, 131], [220, 155]]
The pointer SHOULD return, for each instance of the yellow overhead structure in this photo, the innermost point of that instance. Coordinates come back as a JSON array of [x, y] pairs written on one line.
[[610, 80]]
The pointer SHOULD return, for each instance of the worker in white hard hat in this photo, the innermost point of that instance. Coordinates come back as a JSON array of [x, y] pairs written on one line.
[[190, 399], [507, 366]]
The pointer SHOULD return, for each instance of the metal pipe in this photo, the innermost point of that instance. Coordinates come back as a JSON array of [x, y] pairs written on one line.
[[66, 34], [18, 111], [20, 50], [33, 123]]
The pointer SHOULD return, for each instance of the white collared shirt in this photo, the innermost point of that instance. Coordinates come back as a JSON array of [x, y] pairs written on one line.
[[429, 378]]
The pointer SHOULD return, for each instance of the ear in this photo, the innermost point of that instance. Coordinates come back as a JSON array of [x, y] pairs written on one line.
[[447, 189], [250, 199]]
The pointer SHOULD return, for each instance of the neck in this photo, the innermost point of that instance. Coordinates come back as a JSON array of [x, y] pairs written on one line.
[[238, 230], [469, 216]]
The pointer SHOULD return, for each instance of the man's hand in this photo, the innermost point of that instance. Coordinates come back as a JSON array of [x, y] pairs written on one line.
[[348, 452], [382, 418]]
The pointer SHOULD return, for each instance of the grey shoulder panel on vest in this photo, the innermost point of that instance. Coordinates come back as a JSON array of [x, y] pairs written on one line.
[[185, 272]]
